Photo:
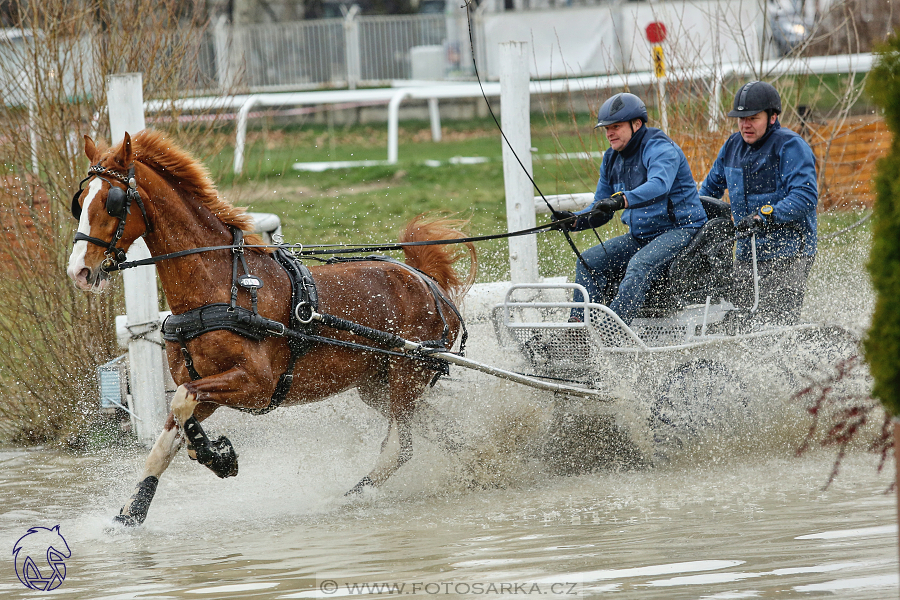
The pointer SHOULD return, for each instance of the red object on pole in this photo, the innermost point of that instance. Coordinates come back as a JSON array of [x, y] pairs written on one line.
[[656, 32]]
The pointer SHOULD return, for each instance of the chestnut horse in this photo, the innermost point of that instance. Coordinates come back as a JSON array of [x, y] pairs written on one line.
[[180, 210]]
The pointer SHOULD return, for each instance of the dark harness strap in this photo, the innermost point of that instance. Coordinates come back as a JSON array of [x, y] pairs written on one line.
[[439, 299]]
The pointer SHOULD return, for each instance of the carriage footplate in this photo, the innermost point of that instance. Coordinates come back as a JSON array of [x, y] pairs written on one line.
[[218, 456]]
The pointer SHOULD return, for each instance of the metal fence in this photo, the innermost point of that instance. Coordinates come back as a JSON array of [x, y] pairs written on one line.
[[328, 52]]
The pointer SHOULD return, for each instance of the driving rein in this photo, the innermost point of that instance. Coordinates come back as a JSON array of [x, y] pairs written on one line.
[[301, 334]]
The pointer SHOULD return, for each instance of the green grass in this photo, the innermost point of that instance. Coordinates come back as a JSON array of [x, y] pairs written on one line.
[[371, 204]]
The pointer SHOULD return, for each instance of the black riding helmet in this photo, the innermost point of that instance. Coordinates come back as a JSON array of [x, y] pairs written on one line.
[[755, 97], [620, 108]]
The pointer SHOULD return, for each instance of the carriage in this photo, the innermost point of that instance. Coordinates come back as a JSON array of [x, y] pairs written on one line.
[[695, 362]]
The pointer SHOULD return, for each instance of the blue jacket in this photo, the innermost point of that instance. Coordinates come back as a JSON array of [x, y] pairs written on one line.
[[778, 169], [654, 174]]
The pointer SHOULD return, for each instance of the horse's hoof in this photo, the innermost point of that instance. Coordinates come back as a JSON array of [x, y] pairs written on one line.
[[357, 489], [219, 457], [126, 520]]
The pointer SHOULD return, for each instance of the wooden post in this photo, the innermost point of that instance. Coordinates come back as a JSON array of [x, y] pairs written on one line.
[[145, 355], [515, 117]]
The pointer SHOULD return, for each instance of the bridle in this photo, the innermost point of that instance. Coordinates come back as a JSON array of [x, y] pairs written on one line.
[[118, 206]]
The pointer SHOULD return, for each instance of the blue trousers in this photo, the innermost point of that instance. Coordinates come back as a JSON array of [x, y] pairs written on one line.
[[633, 264]]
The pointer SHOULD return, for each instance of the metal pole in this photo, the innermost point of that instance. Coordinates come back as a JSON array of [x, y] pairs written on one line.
[[515, 116], [145, 355], [416, 348], [659, 69]]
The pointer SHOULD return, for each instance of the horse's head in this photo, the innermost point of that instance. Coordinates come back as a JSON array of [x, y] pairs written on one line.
[[106, 224]]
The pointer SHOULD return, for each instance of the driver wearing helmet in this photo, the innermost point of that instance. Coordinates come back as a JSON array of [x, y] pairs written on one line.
[[646, 174], [770, 175]]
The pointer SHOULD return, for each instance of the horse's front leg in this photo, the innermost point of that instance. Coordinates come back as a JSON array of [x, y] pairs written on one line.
[[167, 444], [219, 455]]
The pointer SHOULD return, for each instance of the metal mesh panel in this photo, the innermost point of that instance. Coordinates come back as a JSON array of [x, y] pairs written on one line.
[[315, 53], [662, 335], [385, 43], [293, 54]]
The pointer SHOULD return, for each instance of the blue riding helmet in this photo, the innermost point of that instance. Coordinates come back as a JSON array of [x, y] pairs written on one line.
[[755, 97], [620, 108]]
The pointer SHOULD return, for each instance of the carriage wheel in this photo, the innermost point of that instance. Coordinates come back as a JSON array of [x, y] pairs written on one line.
[[695, 399]]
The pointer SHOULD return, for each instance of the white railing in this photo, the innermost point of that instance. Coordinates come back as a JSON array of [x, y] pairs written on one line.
[[393, 97]]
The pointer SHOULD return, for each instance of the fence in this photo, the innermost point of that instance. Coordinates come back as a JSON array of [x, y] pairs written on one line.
[[346, 52]]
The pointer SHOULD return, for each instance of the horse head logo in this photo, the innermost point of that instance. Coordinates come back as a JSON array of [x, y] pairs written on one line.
[[39, 557]]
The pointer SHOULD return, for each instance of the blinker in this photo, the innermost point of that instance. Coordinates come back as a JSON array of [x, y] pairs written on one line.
[[116, 205], [76, 208]]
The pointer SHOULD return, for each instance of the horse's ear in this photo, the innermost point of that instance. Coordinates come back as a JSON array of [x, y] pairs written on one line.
[[90, 148], [125, 156]]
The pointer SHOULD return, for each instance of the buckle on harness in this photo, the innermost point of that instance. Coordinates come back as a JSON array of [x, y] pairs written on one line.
[[278, 333]]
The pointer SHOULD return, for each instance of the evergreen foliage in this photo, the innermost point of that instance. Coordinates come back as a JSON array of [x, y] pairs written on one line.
[[882, 344]]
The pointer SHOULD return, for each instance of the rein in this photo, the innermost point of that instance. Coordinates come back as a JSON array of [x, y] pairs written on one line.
[[319, 249]]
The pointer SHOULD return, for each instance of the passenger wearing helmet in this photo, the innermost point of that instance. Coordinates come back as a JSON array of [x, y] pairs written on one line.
[[770, 175], [646, 174]]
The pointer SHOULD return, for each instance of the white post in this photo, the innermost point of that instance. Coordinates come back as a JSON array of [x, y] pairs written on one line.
[[145, 356], [515, 116], [32, 120], [241, 136], [394, 125], [222, 44], [434, 113], [351, 46]]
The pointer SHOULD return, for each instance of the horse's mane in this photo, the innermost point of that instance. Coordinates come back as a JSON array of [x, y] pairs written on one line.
[[154, 150]]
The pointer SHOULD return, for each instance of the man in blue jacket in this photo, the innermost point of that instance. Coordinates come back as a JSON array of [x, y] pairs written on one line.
[[770, 175], [646, 174]]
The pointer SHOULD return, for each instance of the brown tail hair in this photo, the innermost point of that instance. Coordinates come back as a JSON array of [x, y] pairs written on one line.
[[437, 261]]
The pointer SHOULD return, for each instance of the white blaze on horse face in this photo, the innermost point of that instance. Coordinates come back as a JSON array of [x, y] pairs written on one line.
[[76, 259]]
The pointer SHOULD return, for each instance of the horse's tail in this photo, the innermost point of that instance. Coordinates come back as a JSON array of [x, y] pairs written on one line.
[[437, 261]]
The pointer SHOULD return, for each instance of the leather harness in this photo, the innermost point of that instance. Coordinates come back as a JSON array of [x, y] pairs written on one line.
[[301, 334], [249, 323]]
